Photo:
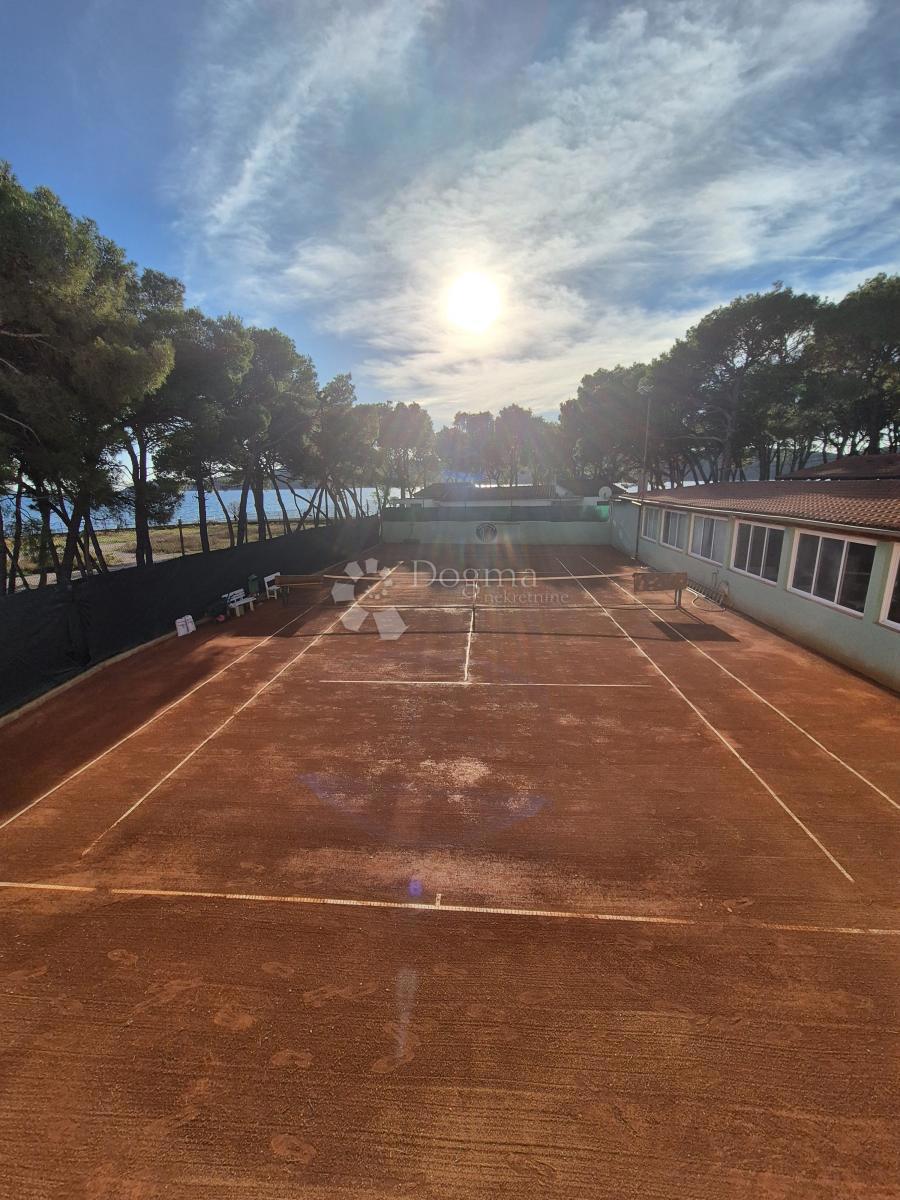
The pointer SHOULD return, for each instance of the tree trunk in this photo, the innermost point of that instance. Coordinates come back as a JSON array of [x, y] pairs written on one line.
[[200, 486], [145, 515], [225, 513], [285, 519], [43, 552], [85, 557], [48, 542], [17, 533], [4, 555], [142, 544], [70, 549], [242, 511], [340, 503], [259, 504], [94, 541], [311, 503]]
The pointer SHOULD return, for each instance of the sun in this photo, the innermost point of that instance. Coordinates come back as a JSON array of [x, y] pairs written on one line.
[[473, 302]]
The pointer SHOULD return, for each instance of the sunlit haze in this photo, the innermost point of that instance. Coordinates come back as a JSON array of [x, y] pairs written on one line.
[[334, 169], [473, 302]]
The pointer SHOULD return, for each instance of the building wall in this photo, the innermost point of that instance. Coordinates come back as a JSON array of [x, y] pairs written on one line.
[[624, 521], [859, 641], [515, 533]]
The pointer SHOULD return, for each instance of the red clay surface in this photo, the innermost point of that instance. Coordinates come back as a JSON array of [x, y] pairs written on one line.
[[557, 894]]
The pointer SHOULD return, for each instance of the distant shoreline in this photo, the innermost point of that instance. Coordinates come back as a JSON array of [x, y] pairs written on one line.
[[187, 510]]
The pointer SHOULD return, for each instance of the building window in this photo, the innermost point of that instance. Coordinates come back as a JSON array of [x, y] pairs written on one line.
[[757, 550], [891, 612], [675, 529], [708, 538], [835, 570], [650, 523]]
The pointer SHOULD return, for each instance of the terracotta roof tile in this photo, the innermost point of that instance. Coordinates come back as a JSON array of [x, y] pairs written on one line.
[[866, 503]]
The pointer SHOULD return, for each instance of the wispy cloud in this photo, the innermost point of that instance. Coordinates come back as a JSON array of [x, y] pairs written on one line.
[[619, 176]]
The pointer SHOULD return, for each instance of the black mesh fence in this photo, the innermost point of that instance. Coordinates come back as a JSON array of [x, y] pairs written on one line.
[[50, 634]]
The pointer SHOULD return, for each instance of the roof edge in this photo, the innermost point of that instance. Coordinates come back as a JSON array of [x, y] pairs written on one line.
[[882, 531]]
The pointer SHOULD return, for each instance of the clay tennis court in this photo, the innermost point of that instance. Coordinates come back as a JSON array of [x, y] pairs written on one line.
[[564, 891]]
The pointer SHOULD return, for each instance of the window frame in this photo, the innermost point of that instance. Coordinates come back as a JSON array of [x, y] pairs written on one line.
[[767, 525], [893, 578], [681, 515], [695, 517], [838, 537], [647, 508]]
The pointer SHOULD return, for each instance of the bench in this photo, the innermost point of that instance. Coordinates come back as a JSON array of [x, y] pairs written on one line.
[[235, 601]]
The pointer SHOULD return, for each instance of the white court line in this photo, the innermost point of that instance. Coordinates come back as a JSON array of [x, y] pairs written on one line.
[[724, 925], [465, 677], [490, 607], [162, 712], [783, 927], [340, 902], [549, 606], [52, 887], [187, 758], [725, 742], [476, 683], [831, 754], [418, 607]]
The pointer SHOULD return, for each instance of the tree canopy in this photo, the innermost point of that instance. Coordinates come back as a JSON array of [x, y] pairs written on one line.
[[116, 398]]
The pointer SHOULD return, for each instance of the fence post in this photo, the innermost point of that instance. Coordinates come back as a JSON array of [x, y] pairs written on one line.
[[181, 536]]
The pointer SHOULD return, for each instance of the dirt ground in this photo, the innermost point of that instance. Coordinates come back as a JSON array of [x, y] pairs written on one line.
[[562, 892]]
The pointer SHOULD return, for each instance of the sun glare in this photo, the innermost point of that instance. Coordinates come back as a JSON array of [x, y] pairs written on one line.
[[473, 302]]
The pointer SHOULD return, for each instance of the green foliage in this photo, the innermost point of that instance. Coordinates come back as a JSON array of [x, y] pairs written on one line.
[[857, 357], [406, 438], [101, 364], [602, 427]]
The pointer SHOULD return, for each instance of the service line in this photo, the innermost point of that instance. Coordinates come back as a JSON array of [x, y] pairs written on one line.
[[224, 725], [162, 712], [465, 677], [762, 699], [724, 740], [477, 683], [440, 905]]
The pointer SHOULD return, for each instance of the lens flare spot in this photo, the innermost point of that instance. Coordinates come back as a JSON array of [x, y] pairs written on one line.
[[473, 302]]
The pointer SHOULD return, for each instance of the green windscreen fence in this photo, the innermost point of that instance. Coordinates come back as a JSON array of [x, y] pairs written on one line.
[[499, 512], [51, 634]]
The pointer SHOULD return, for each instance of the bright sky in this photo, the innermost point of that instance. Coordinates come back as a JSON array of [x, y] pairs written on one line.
[[604, 173]]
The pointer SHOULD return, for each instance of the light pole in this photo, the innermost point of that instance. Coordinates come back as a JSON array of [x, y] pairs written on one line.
[[644, 389]]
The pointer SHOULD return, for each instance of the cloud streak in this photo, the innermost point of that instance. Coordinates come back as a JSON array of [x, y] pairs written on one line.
[[622, 175]]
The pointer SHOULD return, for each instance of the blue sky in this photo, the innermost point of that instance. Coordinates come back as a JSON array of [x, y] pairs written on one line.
[[331, 167]]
